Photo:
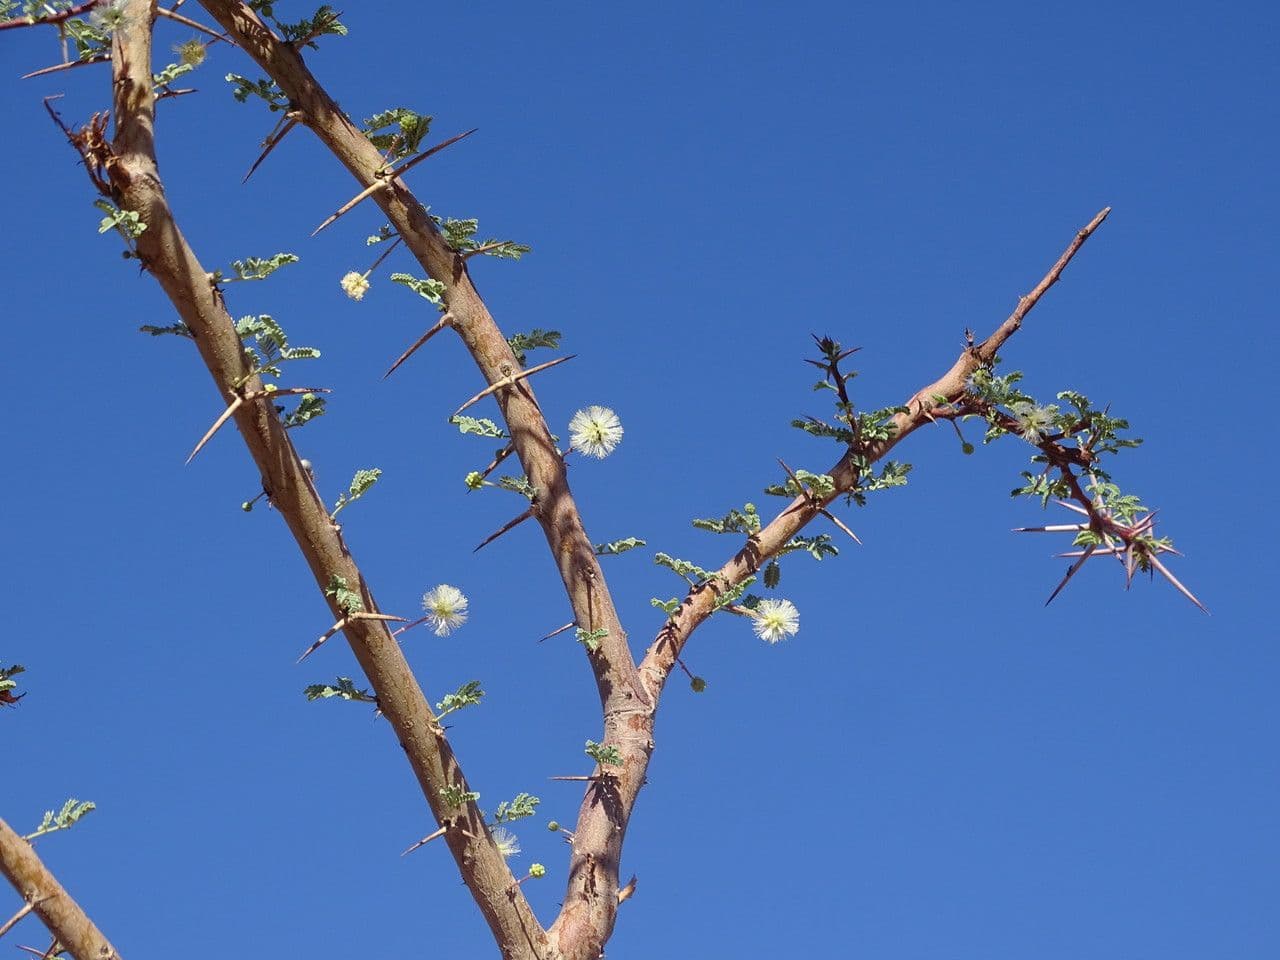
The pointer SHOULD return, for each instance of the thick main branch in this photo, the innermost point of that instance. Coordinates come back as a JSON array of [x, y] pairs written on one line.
[[130, 163]]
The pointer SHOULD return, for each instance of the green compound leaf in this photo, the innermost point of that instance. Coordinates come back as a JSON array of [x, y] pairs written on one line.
[[615, 547], [360, 485], [669, 607], [270, 345], [432, 290], [171, 73], [467, 695], [347, 600], [343, 688], [254, 268], [454, 796], [772, 574], [460, 236], [127, 223], [242, 88], [178, 329], [519, 808], [817, 546], [310, 406], [478, 426], [404, 140], [690, 571], [64, 819], [522, 343], [745, 521], [820, 485], [733, 594], [520, 485], [605, 756], [591, 638]]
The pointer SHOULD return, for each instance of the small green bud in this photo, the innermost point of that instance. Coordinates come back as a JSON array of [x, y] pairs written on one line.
[[553, 826], [537, 870], [966, 448], [247, 507], [474, 480], [698, 684]]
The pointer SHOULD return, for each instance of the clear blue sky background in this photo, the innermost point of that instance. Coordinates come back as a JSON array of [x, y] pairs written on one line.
[[937, 766]]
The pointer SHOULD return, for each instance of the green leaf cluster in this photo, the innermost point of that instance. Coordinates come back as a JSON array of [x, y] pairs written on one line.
[[254, 268], [591, 638], [359, 486], [242, 88], [520, 485], [478, 426], [454, 796], [522, 343], [178, 329], [170, 73], [615, 547], [519, 808], [398, 132], [303, 33], [432, 290], [818, 486], [467, 695], [691, 572], [270, 345], [344, 598], [460, 236], [343, 688], [746, 520], [605, 756], [309, 406], [63, 819], [127, 223]]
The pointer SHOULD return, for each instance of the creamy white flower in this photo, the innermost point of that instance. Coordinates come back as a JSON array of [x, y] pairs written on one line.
[[506, 842], [776, 620], [355, 285], [108, 17], [1035, 421], [595, 431], [446, 608]]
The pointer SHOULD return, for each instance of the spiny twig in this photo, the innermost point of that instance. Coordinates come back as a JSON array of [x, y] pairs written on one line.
[[503, 529], [511, 381], [239, 401], [359, 615], [440, 325], [286, 123], [386, 177]]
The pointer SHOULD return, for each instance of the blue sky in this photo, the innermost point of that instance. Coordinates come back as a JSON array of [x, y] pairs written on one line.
[[936, 766]]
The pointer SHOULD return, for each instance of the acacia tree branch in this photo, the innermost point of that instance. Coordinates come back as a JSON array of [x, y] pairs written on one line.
[[590, 904], [130, 165], [661, 656], [40, 889], [554, 506]]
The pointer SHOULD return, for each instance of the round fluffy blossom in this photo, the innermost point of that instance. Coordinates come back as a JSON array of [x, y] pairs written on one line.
[[595, 431], [776, 620], [446, 608], [108, 17], [1035, 421], [505, 841], [355, 285], [190, 52]]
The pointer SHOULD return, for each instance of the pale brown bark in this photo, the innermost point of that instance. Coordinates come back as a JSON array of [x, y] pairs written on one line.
[[49, 901]]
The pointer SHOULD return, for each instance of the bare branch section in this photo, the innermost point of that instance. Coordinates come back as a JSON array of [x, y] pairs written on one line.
[[40, 889], [129, 163]]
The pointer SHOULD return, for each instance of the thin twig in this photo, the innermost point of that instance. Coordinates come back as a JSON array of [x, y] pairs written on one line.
[[503, 529], [425, 840], [359, 615], [559, 630], [440, 325], [286, 124], [239, 401], [70, 64], [512, 380], [186, 22], [54, 18], [387, 177], [13, 921]]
